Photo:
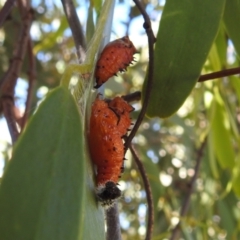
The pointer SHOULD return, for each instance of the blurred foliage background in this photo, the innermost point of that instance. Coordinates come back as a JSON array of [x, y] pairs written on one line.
[[169, 148]]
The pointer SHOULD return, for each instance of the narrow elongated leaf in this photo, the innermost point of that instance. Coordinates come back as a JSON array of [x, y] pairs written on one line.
[[90, 24], [236, 177], [221, 45], [236, 182], [222, 137], [231, 21], [236, 84], [186, 33], [43, 191], [228, 222]]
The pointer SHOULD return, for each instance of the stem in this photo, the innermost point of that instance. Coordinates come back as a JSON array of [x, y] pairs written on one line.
[[76, 27], [219, 74], [186, 203], [74, 68], [135, 96], [6, 9], [8, 81], [31, 81], [147, 187], [113, 225], [151, 41]]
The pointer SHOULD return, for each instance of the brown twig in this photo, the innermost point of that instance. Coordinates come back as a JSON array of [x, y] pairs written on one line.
[[151, 41], [113, 225], [219, 74], [9, 79], [186, 203], [148, 192], [31, 82], [136, 96], [76, 27], [6, 9]]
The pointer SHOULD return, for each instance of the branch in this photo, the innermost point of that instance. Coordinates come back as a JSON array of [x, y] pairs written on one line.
[[135, 96], [186, 203], [6, 9], [219, 74], [31, 82], [151, 41], [76, 27], [148, 193], [8, 81], [113, 225]]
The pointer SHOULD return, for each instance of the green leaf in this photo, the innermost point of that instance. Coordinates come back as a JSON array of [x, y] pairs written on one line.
[[231, 20], [227, 221], [221, 45], [97, 4], [186, 33], [236, 184], [221, 135], [90, 24], [43, 191], [236, 177], [211, 157], [236, 85]]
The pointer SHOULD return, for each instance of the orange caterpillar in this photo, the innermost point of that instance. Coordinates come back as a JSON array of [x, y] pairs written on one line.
[[122, 110], [109, 122], [116, 56]]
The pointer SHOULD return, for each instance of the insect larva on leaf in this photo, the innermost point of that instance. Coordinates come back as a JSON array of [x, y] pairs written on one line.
[[106, 145], [115, 57], [122, 110]]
